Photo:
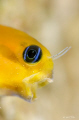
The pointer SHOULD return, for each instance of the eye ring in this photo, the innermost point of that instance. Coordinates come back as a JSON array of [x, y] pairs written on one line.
[[32, 54]]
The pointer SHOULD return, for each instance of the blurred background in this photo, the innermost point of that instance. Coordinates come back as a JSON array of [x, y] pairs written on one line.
[[54, 23]]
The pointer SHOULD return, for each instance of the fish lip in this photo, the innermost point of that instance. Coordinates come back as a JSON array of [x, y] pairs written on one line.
[[48, 78], [28, 99], [29, 77]]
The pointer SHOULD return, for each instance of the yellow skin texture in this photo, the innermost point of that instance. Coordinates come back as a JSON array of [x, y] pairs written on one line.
[[18, 77]]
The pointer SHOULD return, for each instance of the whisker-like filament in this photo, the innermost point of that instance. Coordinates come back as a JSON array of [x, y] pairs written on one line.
[[61, 53]]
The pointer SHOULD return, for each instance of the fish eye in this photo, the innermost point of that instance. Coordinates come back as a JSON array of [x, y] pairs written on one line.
[[32, 54]]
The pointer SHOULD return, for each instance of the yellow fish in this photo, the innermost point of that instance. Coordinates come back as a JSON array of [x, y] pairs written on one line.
[[25, 64]]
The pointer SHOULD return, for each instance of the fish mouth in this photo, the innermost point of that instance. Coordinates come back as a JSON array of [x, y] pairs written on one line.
[[46, 80], [27, 90], [31, 78], [32, 83]]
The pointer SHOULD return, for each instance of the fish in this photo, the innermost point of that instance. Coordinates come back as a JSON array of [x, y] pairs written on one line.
[[25, 64]]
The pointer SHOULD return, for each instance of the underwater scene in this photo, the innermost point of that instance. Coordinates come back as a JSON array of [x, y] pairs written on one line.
[[38, 81]]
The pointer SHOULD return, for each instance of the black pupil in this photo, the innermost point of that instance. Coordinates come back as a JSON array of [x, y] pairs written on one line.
[[32, 54]]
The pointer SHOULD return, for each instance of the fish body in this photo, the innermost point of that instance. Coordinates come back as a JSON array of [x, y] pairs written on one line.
[[25, 64]]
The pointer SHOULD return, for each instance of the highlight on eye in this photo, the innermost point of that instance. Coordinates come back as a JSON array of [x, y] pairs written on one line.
[[32, 54]]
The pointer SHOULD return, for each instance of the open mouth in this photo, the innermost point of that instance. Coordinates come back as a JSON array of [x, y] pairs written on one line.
[[32, 83], [27, 90]]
